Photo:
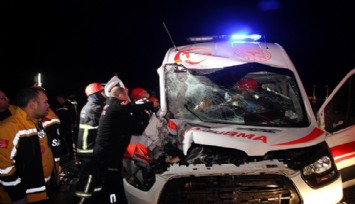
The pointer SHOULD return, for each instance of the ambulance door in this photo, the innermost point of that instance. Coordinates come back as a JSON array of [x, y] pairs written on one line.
[[337, 117]]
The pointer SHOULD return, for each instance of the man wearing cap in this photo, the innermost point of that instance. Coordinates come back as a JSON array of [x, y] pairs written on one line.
[[114, 134]]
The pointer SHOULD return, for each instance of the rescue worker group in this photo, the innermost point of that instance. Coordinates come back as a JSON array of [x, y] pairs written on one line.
[[38, 143]]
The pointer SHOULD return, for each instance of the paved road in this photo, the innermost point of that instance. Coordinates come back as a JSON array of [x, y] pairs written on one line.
[[349, 195], [64, 193]]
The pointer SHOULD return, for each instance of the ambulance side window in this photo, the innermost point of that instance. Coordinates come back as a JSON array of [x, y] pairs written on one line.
[[340, 111]]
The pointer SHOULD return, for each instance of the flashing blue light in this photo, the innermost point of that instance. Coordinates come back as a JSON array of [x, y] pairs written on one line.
[[234, 38], [244, 37]]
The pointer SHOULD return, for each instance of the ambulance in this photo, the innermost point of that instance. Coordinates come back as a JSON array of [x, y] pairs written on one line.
[[236, 126]]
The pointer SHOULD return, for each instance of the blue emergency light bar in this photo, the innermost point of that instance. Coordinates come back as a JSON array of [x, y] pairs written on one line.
[[232, 38], [244, 37]]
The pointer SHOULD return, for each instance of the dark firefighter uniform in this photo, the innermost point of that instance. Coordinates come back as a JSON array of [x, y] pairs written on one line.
[[90, 179], [25, 142], [141, 119], [51, 124], [114, 134], [89, 123]]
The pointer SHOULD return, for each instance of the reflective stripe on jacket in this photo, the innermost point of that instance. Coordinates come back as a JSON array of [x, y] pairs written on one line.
[[51, 124], [22, 142], [89, 122]]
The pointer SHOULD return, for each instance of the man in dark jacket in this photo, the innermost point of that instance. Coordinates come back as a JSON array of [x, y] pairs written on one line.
[[89, 181], [114, 134], [68, 122]]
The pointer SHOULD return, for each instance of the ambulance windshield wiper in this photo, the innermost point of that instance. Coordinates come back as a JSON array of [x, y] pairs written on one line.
[[193, 113]]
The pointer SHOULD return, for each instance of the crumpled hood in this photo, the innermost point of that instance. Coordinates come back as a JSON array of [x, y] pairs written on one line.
[[255, 141]]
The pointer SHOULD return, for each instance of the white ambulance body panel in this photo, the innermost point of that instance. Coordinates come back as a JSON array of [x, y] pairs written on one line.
[[235, 126]]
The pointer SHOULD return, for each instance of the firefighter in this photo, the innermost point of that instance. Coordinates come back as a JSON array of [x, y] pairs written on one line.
[[141, 119], [90, 179], [68, 122], [139, 93], [51, 125]]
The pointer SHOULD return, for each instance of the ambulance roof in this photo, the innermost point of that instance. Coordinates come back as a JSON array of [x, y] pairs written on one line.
[[219, 54]]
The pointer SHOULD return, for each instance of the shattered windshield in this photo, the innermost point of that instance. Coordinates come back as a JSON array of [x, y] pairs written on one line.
[[248, 94]]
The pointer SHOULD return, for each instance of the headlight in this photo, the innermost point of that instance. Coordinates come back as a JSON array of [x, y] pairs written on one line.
[[320, 172], [320, 166]]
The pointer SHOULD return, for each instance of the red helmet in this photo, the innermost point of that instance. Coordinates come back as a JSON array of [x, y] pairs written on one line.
[[93, 88], [153, 99], [247, 84], [137, 93]]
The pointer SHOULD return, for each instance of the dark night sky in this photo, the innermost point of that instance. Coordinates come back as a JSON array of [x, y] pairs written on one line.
[[76, 42]]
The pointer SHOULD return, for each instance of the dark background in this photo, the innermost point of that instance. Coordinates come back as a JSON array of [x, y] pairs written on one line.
[[75, 42]]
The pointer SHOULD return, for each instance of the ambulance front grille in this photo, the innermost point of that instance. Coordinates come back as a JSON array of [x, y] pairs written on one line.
[[245, 189]]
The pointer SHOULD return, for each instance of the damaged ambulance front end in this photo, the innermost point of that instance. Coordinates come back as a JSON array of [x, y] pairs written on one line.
[[235, 126]]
